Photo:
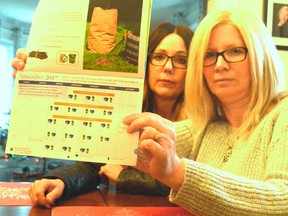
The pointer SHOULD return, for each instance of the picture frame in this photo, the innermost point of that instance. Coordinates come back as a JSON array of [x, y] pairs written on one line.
[[181, 12], [271, 18]]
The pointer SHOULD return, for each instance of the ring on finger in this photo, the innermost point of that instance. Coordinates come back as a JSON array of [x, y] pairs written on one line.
[[157, 136]]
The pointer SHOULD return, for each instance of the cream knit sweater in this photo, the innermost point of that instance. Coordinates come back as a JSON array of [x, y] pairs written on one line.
[[254, 180]]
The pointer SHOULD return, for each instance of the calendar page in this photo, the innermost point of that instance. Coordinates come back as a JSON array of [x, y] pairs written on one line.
[[84, 73]]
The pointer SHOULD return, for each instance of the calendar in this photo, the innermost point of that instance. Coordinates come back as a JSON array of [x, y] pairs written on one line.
[[70, 101]]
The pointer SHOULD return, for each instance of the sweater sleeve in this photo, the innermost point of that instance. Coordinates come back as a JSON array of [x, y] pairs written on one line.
[[207, 191], [212, 191], [185, 145], [184, 138]]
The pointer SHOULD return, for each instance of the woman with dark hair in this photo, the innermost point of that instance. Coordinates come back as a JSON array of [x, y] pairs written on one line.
[[163, 94], [170, 103]]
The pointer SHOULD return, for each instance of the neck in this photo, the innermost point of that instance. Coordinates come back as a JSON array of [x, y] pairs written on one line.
[[234, 112], [164, 107]]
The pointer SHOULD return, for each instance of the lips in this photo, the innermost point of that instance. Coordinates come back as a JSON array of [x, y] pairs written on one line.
[[223, 81], [165, 82]]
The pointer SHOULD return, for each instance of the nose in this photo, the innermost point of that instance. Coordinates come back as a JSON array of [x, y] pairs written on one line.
[[221, 63], [168, 67]]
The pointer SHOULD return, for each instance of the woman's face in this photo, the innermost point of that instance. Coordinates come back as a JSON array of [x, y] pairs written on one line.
[[167, 81], [229, 82]]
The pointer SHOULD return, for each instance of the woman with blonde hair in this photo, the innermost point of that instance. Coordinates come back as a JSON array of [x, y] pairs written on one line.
[[230, 157]]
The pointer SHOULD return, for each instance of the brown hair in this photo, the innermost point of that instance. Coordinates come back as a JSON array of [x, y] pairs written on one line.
[[155, 37]]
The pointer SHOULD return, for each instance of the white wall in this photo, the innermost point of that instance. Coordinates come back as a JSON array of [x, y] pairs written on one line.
[[257, 7]]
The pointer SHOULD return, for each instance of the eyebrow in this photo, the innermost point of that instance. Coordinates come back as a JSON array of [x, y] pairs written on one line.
[[162, 51], [209, 49]]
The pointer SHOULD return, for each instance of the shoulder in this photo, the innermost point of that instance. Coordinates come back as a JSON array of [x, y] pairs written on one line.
[[277, 118], [284, 102], [183, 125], [280, 108]]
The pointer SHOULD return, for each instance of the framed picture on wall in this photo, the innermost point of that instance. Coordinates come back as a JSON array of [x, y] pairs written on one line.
[[181, 12], [276, 19]]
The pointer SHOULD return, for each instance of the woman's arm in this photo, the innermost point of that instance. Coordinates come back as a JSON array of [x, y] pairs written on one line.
[[79, 178]]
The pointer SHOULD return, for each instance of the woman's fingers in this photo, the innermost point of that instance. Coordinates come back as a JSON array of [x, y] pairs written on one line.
[[18, 65], [37, 196], [19, 62], [22, 54], [45, 191], [157, 135], [140, 121]]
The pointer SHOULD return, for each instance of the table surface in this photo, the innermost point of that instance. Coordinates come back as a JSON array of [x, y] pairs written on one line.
[[94, 198]]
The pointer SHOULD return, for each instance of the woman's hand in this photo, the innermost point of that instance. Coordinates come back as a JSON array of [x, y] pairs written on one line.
[[19, 62], [44, 192], [157, 151], [111, 171]]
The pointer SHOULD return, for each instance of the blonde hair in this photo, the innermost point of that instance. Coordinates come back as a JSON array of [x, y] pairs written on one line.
[[265, 66]]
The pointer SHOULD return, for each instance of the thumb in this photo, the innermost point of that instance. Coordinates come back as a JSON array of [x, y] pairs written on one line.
[[49, 200], [52, 196]]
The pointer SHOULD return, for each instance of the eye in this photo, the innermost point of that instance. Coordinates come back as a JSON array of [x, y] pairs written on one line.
[[236, 51], [209, 55], [158, 57], [181, 59]]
